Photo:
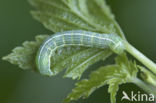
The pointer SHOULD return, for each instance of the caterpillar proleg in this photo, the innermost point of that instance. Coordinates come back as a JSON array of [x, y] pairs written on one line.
[[75, 38]]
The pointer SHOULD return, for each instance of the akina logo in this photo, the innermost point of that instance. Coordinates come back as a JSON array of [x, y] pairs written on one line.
[[137, 97]]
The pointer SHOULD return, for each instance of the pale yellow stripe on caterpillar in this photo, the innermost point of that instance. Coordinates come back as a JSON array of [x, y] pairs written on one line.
[[92, 38], [82, 37], [64, 41], [72, 37]]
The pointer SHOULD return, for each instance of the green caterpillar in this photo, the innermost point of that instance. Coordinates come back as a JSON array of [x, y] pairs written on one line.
[[75, 38]]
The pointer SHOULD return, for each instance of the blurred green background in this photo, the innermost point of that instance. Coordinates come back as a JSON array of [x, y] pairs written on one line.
[[136, 17]]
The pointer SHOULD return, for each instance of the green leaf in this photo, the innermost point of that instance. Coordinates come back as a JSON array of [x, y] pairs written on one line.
[[97, 79], [113, 75], [24, 56], [62, 15], [56, 18], [114, 86], [85, 87], [128, 66], [81, 61]]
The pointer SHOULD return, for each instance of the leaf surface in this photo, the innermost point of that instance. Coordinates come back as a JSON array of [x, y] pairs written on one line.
[[113, 75], [24, 56]]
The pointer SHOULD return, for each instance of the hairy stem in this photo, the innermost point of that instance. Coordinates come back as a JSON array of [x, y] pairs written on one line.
[[146, 87], [141, 57]]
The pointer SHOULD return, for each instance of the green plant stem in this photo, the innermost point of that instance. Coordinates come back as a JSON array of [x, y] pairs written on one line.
[[146, 87], [148, 76], [141, 57]]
